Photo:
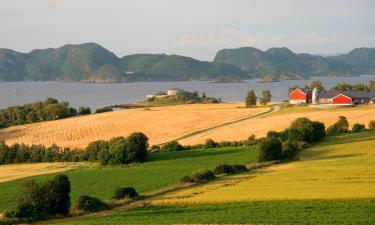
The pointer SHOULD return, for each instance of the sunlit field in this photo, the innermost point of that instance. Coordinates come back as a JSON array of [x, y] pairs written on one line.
[[337, 168], [160, 124], [280, 120]]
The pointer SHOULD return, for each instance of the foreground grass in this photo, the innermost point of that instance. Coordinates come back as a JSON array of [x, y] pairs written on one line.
[[340, 167], [266, 212], [164, 169]]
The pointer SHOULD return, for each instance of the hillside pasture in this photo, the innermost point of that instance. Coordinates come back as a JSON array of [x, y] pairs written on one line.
[[280, 120], [163, 169], [160, 124], [338, 168]]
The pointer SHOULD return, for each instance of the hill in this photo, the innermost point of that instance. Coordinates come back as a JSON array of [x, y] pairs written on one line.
[[280, 61], [91, 62]]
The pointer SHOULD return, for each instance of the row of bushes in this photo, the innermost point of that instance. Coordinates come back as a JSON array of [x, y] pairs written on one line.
[[207, 175], [118, 150]]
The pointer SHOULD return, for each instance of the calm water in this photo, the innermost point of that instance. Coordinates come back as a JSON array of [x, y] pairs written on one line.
[[98, 95]]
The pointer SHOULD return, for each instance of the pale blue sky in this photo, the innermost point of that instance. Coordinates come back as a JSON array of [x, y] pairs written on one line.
[[196, 28]]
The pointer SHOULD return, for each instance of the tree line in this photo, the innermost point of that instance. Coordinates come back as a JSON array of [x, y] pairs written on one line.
[[343, 86], [49, 109], [118, 150]]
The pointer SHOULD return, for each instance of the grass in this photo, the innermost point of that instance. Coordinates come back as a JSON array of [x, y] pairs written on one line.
[[353, 212], [340, 167], [164, 169], [160, 124], [280, 120]]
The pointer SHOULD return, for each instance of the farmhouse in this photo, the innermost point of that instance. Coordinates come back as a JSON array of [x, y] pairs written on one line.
[[299, 96]]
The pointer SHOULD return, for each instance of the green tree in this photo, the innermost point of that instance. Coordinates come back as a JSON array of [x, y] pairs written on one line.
[[269, 149], [137, 144], [317, 84], [371, 85], [251, 99], [266, 97]]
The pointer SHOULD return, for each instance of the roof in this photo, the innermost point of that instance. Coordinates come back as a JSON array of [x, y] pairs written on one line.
[[351, 94], [303, 91]]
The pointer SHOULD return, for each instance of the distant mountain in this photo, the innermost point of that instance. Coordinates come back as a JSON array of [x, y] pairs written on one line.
[[278, 61], [91, 62]]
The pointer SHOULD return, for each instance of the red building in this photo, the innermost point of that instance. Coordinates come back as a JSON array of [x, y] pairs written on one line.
[[342, 99], [299, 96]]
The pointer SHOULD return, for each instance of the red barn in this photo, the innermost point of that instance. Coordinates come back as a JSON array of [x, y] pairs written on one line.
[[342, 99], [299, 97]]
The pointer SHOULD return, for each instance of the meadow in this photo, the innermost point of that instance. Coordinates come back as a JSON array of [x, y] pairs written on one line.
[[338, 168], [162, 170], [280, 120], [332, 183], [160, 124]]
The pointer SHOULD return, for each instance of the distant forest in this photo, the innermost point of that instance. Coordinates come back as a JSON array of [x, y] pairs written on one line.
[[91, 62]]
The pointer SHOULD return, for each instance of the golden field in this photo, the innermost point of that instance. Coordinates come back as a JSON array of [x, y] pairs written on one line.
[[338, 168], [160, 124], [280, 120], [18, 171]]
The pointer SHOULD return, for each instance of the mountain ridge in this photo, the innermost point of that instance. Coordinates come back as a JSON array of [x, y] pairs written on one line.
[[91, 62]]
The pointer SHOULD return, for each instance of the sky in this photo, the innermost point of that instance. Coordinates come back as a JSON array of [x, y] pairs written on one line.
[[195, 28]]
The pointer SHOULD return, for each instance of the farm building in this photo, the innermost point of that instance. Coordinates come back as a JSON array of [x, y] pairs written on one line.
[[331, 98], [299, 96], [346, 97]]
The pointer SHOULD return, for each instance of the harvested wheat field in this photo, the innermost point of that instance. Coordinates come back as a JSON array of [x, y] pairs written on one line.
[[280, 120], [160, 124], [18, 171], [337, 168]]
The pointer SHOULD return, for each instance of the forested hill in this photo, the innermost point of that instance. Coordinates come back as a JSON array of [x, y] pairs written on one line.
[[282, 60], [91, 62]]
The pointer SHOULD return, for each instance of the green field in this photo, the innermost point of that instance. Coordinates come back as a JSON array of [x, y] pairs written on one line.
[[164, 169], [332, 183], [352, 212]]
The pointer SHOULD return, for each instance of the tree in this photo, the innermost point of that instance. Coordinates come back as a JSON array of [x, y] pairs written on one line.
[[266, 97], [251, 99], [342, 87], [84, 110], [371, 85], [269, 149], [341, 126], [304, 129], [137, 144], [317, 84], [360, 87]]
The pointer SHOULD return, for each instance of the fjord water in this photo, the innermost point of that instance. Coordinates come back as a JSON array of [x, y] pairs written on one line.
[[96, 95]]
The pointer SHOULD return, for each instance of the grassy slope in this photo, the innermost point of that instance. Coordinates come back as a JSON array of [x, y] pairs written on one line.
[[164, 169], [353, 212], [338, 166]]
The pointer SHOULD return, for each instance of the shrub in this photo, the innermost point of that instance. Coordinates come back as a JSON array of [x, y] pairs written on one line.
[[289, 149], [269, 149], [172, 146], [341, 126], [90, 204], [229, 169], [210, 143], [155, 148], [126, 192], [251, 140], [358, 128], [186, 179], [42, 200], [104, 109], [93, 149], [371, 125], [319, 131], [84, 111], [203, 176]]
